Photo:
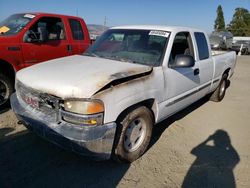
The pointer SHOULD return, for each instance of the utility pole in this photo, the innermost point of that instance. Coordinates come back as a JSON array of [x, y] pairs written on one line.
[[105, 21]]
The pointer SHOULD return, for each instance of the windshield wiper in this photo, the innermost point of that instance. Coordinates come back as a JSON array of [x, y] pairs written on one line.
[[121, 59], [117, 58], [91, 54]]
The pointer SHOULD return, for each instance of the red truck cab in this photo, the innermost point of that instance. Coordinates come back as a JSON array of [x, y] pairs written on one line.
[[30, 38]]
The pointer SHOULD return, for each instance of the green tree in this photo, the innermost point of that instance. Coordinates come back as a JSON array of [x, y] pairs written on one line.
[[219, 24], [240, 24]]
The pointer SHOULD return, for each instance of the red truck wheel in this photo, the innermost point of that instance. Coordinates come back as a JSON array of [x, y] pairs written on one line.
[[6, 89]]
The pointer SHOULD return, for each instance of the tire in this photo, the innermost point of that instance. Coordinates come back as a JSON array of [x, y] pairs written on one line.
[[246, 52], [6, 89], [133, 135], [220, 92], [243, 52]]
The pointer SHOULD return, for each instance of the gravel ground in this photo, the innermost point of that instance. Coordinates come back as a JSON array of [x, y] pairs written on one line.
[[205, 145]]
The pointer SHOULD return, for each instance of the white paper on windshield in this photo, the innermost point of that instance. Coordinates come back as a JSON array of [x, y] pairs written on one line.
[[29, 16], [159, 33]]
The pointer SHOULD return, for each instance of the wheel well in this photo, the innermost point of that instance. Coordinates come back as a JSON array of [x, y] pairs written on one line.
[[7, 69], [226, 71], [149, 103]]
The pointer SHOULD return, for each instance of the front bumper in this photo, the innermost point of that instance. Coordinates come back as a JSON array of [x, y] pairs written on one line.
[[96, 142]]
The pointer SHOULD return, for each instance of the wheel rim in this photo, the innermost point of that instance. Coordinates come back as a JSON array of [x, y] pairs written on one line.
[[222, 88], [3, 92], [134, 134]]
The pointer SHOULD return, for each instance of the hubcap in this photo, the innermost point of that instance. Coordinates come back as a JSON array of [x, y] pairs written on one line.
[[222, 88], [134, 135], [3, 92]]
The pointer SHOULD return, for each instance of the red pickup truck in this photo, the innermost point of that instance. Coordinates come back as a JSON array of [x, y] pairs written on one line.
[[30, 38]]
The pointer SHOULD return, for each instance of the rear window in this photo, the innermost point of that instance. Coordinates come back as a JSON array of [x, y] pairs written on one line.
[[76, 28], [202, 45]]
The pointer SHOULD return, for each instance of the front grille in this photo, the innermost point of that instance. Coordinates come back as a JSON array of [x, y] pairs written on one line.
[[42, 102]]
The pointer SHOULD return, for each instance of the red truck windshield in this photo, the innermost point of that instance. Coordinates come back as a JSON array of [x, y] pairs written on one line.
[[137, 46], [15, 23]]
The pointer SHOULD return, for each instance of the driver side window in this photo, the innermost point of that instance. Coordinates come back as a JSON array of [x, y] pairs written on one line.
[[182, 45], [46, 29]]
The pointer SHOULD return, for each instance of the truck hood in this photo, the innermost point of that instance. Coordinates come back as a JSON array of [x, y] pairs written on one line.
[[77, 76], [7, 38]]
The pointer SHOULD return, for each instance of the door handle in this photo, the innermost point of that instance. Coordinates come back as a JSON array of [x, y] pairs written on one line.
[[69, 48], [196, 71]]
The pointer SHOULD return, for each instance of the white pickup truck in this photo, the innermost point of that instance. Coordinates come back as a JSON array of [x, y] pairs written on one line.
[[105, 102]]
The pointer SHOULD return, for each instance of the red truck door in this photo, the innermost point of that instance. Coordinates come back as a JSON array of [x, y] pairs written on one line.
[[52, 44], [80, 40]]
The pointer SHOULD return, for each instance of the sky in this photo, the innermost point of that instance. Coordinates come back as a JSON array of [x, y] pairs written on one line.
[[192, 13]]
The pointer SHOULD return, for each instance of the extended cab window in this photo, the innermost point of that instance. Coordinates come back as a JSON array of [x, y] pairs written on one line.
[[76, 29], [46, 28], [182, 46], [202, 45]]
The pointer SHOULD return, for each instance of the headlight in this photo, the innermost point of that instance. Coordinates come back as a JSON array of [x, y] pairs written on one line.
[[84, 107], [89, 112]]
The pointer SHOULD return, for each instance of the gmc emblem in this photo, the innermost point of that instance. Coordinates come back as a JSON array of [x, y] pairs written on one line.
[[30, 101]]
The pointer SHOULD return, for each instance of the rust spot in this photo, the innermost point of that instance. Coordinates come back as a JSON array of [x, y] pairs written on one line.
[[129, 72], [123, 77]]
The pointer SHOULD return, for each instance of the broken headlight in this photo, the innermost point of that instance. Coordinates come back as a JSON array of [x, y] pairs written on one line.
[[83, 112]]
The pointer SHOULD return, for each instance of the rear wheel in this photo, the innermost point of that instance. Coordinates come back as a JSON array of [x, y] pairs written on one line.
[[220, 92], [6, 89], [133, 135], [246, 52]]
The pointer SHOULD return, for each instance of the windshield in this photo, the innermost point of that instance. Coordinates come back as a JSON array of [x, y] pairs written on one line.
[[15, 23], [136, 46]]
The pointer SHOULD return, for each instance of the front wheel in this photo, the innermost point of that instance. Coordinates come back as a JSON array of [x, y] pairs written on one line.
[[133, 135], [6, 89], [220, 92]]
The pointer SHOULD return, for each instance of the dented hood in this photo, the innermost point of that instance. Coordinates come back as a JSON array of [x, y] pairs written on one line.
[[77, 76]]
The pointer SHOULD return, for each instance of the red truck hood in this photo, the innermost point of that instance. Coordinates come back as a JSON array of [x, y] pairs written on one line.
[[7, 38]]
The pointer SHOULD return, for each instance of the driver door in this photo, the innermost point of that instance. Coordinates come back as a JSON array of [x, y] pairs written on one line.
[[181, 83], [53, 45]]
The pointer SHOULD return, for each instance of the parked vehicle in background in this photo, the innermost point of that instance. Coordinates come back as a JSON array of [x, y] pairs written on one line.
[[242, 46], [105, 103], [221, 40], [236, 38], [30, 38]]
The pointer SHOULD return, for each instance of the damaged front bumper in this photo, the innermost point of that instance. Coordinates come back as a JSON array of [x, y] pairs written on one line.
[[96, 142]]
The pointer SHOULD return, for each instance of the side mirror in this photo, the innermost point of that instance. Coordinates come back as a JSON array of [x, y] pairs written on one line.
[[183, 61]]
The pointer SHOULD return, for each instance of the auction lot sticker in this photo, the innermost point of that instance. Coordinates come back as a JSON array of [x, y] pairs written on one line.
[[4, 29], [31, 16], [160, 33]]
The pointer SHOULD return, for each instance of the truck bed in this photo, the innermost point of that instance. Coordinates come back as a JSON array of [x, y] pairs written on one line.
[[218, 52], [223, 60]]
